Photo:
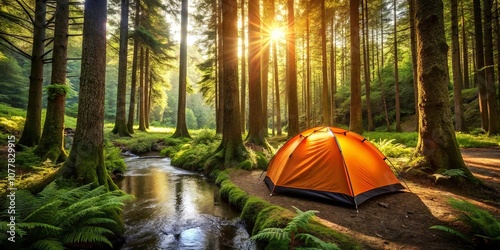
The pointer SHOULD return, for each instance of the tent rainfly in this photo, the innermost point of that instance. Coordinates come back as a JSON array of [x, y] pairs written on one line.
[[333, 164]]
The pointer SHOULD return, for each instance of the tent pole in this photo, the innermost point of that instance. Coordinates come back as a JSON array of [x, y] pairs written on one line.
[[399, 174]]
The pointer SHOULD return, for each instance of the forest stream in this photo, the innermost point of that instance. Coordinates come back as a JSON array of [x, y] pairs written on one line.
[[177, 209]]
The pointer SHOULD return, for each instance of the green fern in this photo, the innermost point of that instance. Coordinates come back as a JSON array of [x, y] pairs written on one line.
[[289, 235], [57, 218], [483, 225]]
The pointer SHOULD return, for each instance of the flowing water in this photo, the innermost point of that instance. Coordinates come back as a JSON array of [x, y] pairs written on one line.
[[177, 209]]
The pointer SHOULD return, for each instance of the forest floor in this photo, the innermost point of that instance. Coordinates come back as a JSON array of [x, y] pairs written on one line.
[[399, 220]]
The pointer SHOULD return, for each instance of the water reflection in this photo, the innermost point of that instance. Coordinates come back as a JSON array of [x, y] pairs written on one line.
[[174, 209]]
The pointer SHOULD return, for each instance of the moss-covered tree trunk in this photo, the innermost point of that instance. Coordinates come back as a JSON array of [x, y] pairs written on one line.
[[33, 125], [121, 93], [231, 150], [437, 147], [51, 144], [85, 162]]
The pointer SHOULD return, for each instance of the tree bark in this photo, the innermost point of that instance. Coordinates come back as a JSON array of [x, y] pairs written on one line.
[[243, 70], [33, 124], [181, 129], [255, 128], [491, 92], [121, 93], [465, 53], [366, 60], [396, 73], [140, 104], [231, 149], [85, 162], [147, 79], [457, 71], [356, 122], [325, 93], [333, 70], [413, 44], [480, 72], [131, 109], [293, 106], [51, 145], [437, 146]]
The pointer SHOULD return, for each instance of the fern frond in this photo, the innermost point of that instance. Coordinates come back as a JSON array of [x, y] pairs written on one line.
[[451, 231], [88, 234], [301, 220], [44, 212], [273, 234], [47, 244], [97, 221], [317, 243], [47, 228]]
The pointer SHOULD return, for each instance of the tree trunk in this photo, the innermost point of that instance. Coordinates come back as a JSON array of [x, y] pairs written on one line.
[[465, 53], [255, 128], [491, 92], [231, 149], [333, 70], [457, 71], [366, 54], [131, 109], [480, 72], [325, 93], [140, 104], [277, 89], [243, 70], [147, 80], [220, 84], [181, 129], [356, 122], [382, 92], [51, 144], [33, 124], [121, 93], [413, 42], [437, 146], [396, 73], [307, 99], [267, 24], [293, 105], [85, 162]]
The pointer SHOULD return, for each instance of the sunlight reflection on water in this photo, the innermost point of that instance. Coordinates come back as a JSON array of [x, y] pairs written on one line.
[[174, 209]]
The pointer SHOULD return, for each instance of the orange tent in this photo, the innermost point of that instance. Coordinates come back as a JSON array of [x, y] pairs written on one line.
[[331, 163]]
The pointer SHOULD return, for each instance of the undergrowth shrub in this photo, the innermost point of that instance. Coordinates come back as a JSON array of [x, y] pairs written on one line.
[[391, 149], [484, 228], [113, 160], [65, 218]]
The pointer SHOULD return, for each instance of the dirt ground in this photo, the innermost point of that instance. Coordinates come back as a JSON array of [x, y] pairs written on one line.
[[405, 222]]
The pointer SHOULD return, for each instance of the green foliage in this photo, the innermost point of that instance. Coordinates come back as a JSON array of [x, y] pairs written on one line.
[[391, 149], [57, 218], [484, 227], [251, 210], [408, 139], [12, 125], [113, 159], [477, 141], [293, 234], [54, 90]]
